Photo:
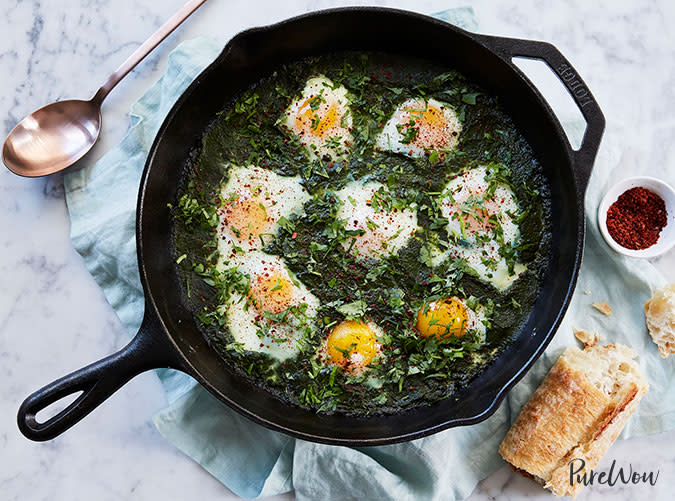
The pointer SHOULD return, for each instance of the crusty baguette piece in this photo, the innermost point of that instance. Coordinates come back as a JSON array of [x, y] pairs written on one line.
[[577, 412], [660, 316]]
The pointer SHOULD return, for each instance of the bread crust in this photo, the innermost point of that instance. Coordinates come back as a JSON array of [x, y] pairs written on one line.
[[577, 412]]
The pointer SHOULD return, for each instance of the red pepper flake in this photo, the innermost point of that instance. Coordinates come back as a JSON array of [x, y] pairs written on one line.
[[636, 219]]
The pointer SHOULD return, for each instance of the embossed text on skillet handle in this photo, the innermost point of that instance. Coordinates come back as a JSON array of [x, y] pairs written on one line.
[[509, 48]]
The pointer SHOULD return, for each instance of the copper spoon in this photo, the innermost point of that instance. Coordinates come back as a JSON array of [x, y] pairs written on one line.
[[58, 135]]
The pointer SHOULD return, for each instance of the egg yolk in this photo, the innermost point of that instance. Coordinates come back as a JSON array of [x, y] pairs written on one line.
[[273, 293], [444, 318], [316, 121], [477, 221], [352, 341], [246, 219], [433, 131], [432, 117]]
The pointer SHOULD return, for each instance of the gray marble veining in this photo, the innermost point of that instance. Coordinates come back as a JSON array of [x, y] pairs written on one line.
[[53, 317]]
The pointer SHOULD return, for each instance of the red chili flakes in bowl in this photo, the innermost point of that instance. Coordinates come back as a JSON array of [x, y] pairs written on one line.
[[636, 219]]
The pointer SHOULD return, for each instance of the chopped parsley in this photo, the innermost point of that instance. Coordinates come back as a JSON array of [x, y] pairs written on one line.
[[320, 253]]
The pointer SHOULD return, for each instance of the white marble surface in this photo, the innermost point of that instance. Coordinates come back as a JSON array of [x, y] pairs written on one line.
[[53, 317]]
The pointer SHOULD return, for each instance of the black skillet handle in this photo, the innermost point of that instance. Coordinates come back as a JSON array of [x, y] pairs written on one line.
[[150, 349], [508, 48]]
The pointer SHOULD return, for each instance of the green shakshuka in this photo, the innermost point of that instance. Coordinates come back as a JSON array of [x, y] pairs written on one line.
[[362, 234]]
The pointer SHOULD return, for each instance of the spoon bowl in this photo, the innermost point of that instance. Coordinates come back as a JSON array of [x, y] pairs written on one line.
[[52, 138]]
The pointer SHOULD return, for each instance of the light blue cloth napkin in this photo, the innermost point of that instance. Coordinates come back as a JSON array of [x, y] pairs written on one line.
[[253, 461]]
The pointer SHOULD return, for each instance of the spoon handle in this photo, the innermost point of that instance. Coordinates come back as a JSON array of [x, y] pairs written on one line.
[[147, 47]]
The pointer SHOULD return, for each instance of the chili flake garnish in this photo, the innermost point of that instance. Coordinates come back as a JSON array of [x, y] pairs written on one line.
[[636, 219]]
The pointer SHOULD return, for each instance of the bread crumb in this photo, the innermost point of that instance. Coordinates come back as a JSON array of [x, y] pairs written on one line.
[[588, 293], [660, 317], [603, 308], [587, 337]]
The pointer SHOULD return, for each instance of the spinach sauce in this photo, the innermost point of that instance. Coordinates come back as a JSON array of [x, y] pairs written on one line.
[[414, 370]]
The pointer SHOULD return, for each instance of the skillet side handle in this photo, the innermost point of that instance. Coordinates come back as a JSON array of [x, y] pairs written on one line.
[[149, 349], [508, 48]]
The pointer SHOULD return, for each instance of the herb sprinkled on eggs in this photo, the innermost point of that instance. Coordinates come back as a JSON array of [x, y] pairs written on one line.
[[382, 231], [482, 214], [278, 313], [359, 234], [254, 201], [419, 127], [321, 119]]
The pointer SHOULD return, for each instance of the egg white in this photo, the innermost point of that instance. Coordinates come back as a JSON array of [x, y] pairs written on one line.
[[321, 118], [385, 232], [476, 242], [440, 133], [248, 325], [475, 318], [266, 196]]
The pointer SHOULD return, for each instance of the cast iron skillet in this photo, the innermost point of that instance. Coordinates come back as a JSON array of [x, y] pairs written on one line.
[[169, 336]]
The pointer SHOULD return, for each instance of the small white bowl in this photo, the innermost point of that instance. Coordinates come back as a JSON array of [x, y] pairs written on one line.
[[666, 238]]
